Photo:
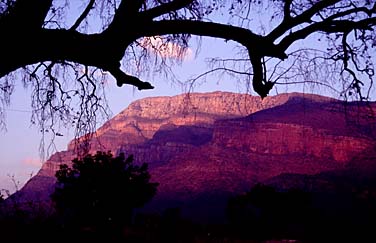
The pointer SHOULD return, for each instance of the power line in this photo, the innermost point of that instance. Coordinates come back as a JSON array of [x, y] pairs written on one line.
[[18, 110]]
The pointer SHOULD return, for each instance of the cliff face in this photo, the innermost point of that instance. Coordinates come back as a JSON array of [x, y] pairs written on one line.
[[167, 125], [324, 130], [222, 143], [144, 117]]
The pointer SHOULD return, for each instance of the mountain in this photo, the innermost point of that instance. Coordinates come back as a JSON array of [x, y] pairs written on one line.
[[358, 176], [204, 147]]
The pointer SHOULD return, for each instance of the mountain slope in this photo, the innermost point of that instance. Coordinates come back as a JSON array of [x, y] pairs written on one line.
[[205, 147]]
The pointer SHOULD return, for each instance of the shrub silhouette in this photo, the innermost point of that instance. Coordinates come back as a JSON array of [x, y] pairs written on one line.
[[101, 190], [265, 213]]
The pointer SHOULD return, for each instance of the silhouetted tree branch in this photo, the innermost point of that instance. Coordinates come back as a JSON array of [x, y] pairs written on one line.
[[83, 15], [34, 37]]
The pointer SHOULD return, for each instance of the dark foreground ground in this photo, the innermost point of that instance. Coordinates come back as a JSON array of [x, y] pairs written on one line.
[[262, 215]]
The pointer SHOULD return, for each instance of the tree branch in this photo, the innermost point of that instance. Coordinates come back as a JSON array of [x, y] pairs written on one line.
[[365, 10], [286, 10], [26, 14], [253, 42], [102, 50], [125, 14], [90, 50], [260, 85], [105, 50], [123, 78], [165, 8], [289, 23], [83, 15], [336, 26]]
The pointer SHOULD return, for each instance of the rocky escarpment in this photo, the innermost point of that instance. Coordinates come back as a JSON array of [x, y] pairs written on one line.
[[142, 126], [305, 135], [204, 146], [157, 129], [144, 117], [330, 131]]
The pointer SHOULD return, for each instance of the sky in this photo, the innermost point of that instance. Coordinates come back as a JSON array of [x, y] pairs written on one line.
[[19, 144]]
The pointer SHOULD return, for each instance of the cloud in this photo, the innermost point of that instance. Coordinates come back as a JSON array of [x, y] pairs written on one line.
[[161, 47], [32, 162]]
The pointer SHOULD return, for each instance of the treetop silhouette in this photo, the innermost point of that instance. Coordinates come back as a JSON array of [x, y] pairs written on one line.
[[102, 189]]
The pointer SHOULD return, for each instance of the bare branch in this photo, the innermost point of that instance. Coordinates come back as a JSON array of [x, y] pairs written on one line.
[[253, 42], [123, 78], [335, 26], [26, 14], [286, 10], [365, 10], [176, 21], [126, 13], [165, 8], [260, 85], [83, 15], [289, 23]]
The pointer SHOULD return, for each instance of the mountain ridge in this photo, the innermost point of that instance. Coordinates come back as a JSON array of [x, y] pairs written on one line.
[[218, 144]]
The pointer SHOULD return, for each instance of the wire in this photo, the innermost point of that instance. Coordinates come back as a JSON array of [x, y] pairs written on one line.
[[17, 110]]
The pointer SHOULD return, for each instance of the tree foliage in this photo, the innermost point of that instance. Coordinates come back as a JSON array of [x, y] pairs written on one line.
[[334, 213], [264, 212], [118, 37], [101, 189]]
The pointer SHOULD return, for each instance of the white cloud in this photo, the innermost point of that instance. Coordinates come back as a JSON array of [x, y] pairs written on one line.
[[159, 46], [32, 162]]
